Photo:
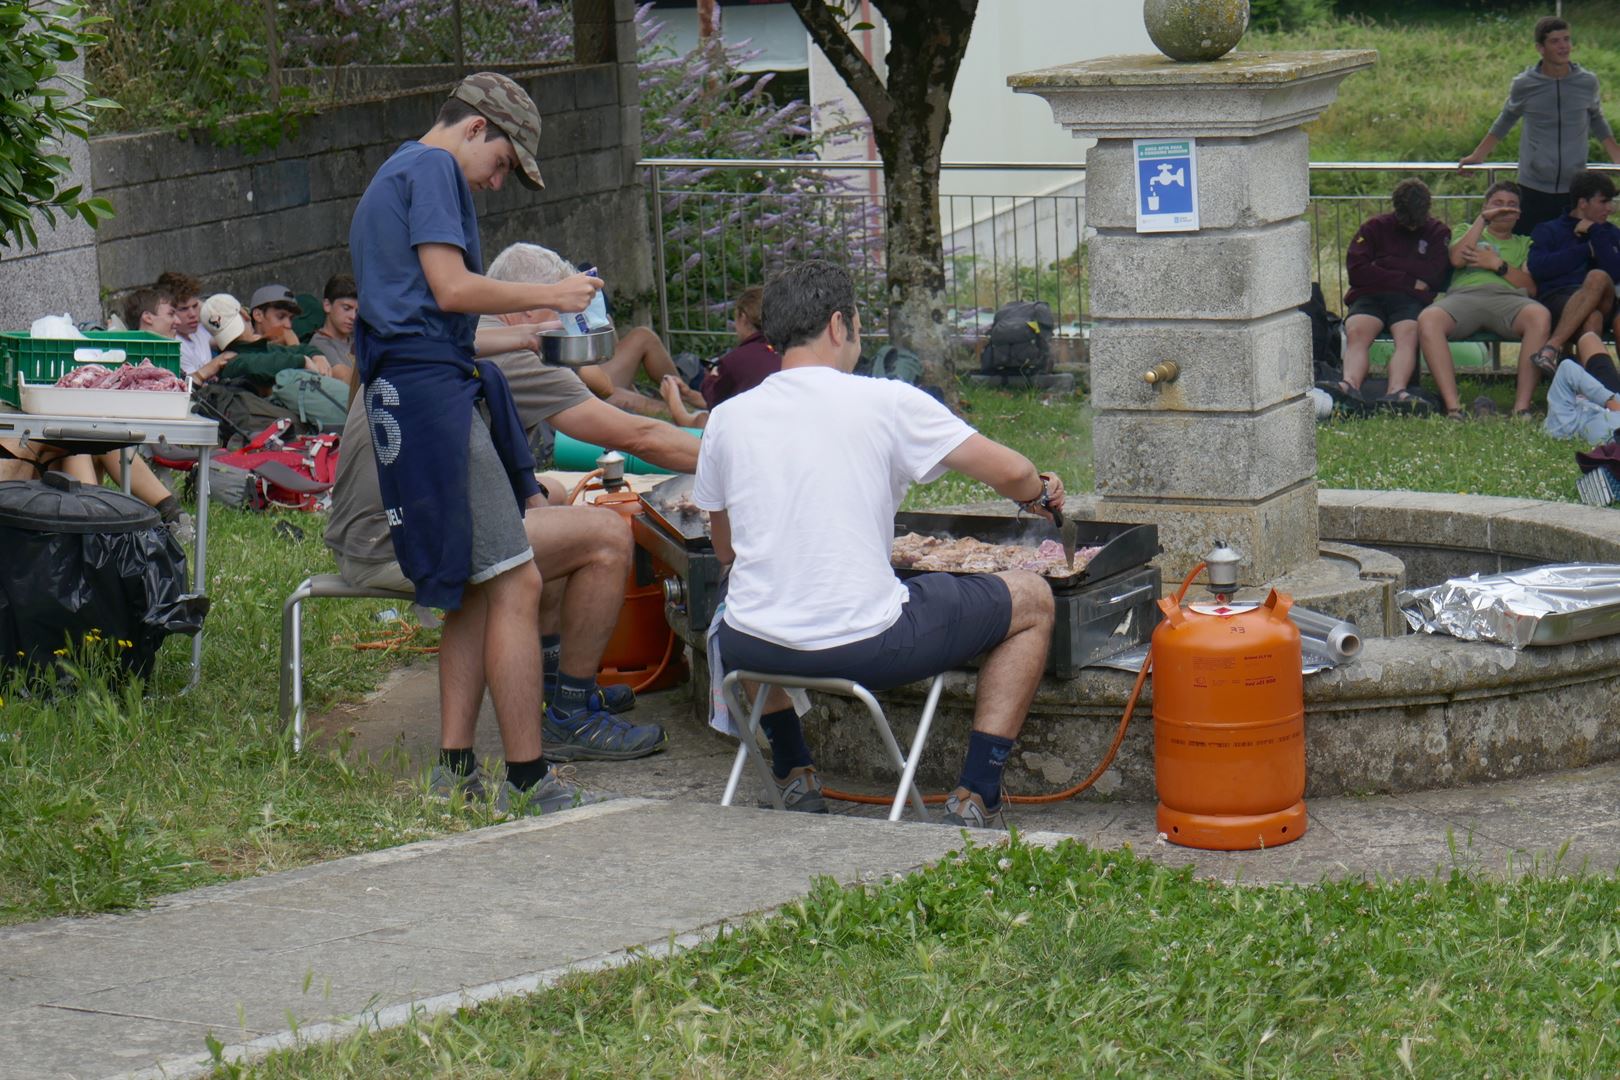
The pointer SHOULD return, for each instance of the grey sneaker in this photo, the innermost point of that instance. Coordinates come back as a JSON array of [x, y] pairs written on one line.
[[443, 783], [801, 792], [182, 529], [965, 809], [558, 791]]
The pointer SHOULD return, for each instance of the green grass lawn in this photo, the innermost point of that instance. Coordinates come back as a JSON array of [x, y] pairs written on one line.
[[1015, 961]]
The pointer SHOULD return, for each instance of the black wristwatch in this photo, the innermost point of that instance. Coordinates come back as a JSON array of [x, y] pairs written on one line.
[[1501, 271]]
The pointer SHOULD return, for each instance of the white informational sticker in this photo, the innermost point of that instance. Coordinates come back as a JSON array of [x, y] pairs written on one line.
[[1222, 610], [1166, 185]]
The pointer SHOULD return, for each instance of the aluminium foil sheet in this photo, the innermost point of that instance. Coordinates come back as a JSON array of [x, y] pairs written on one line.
[[1540, 605]]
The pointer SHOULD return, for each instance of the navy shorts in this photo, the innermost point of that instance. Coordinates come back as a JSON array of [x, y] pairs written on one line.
[[948, 620], [1388, 308]]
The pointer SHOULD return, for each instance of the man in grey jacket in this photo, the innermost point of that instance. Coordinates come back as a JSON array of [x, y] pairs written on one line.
[[1559, 102]]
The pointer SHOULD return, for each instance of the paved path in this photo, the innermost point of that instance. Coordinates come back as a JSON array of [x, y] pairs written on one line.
[[505, 909]]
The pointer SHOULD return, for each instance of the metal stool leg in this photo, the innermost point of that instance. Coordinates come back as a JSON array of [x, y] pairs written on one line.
[[748, 746], [908, 778]]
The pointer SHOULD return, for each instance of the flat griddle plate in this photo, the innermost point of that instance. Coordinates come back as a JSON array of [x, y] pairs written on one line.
[[1124, 547]]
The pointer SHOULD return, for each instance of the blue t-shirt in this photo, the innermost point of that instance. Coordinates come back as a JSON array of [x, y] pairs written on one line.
[[419, 196]]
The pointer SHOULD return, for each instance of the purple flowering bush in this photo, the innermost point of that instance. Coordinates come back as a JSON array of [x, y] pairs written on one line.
[[321, 33], [727, 228]]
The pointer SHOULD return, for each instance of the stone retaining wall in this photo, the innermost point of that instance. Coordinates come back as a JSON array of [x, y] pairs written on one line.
[[240, 220]]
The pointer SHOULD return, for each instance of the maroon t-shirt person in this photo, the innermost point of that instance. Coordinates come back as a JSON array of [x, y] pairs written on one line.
[[1387, 257], [743, 368]]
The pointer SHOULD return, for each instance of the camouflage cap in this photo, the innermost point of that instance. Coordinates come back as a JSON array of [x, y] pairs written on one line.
[[504, 103]]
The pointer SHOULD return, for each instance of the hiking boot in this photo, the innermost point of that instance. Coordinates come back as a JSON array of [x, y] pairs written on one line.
[[965, 809], [444, 782], [801, 791], [594, 734], [616, 698], [557, 792]]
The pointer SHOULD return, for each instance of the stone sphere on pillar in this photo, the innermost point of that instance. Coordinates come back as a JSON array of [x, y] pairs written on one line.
[[1196, 29]]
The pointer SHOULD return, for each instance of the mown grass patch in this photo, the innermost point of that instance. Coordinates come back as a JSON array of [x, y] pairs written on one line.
[[115, 793], [1025, 961]]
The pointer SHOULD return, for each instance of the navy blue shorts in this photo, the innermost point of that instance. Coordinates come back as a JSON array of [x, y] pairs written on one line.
[[948, 621]]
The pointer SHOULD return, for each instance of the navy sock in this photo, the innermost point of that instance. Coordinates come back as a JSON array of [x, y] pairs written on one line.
[[523, 775], [460, 762], [550, 657], [571, 694], [788, 749], [981, 770]]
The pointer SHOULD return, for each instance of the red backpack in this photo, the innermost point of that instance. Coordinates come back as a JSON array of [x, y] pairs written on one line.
[[276, 468]]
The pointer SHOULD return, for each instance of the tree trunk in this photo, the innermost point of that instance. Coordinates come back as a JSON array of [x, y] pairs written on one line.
[[911, 114]]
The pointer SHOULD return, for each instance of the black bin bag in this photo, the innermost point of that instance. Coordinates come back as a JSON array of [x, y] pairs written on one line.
[[83, 561]]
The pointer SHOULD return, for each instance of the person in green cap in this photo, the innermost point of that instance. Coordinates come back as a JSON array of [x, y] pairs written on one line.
[[452, 460]]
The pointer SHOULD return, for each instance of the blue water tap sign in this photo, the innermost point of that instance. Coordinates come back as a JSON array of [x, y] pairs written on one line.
[[1166, 185]]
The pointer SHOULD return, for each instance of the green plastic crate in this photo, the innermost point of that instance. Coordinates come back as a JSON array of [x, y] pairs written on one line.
[[44, 360]]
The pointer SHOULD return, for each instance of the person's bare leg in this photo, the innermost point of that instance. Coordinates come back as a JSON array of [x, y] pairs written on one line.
[[671, 388], [143, 482], [1012, 670], [641, 350], [584, 554], [1359, 331], [1434, 328], [1532, 325], [1595, 295], [512, 658], [1441, 368], [461, 670]]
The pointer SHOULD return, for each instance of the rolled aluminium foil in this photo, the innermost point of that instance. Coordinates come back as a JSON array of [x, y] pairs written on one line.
[[1336, 639], [1541, 605]]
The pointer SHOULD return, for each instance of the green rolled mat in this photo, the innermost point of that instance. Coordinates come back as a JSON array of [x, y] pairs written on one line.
[[572, 455]]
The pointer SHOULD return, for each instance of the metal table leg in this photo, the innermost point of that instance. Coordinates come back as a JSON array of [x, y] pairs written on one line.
[[201, 567]]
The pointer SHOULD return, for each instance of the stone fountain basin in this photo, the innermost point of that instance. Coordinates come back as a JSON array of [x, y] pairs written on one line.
[[1412, 712]]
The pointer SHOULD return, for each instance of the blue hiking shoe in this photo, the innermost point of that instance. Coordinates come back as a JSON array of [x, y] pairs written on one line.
[[595, 734], [615, 698]]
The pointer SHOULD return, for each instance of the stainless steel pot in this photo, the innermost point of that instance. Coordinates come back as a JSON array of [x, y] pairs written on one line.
[[578, 350]]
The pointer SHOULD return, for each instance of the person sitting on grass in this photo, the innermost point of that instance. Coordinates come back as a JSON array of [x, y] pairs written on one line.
[[335, 338], [1580, 404], [272, 310], [1575, 259], [741, 369], [185, 293], [149, 310], [1396, 263], [1490, 290], [801, 478], [247, 355]]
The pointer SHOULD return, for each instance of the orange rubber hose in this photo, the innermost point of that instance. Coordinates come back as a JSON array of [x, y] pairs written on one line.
[[669, 652], [1066, 793]]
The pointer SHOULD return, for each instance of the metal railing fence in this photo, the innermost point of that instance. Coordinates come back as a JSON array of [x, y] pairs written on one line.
[[719, 224]]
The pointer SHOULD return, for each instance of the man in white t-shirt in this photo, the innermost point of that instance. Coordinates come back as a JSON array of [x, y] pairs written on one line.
[[802, 476]]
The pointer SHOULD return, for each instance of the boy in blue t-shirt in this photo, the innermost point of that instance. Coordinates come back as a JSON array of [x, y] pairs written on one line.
[[455, 485]]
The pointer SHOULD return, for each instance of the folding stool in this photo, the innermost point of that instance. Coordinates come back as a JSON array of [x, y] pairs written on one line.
[[748, 749]]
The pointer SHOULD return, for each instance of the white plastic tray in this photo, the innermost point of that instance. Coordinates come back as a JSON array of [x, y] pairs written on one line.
[[119, 404]]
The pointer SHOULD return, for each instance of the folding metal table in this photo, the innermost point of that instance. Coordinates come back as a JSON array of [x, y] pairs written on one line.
[[194, 431]]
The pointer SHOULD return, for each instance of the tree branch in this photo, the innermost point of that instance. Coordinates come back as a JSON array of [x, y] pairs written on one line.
[[829, 34]]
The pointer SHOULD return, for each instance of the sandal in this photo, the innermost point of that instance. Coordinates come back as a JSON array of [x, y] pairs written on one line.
[[1456, 414], [1523, 414], [1404, 401], [1546, 360], [1340, 390]]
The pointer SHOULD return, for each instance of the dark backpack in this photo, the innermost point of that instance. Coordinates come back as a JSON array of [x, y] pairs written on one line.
[[1020, 341], [1326, 359], [891, 362], [241, 412]]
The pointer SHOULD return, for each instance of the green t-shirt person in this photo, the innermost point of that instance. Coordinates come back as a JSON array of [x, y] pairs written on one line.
[[1514, 249]]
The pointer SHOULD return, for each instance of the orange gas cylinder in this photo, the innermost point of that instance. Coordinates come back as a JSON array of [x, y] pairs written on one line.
[[643, 651], [1229, 725]]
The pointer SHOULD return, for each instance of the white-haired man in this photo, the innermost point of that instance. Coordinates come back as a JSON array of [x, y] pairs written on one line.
[[583, 552]]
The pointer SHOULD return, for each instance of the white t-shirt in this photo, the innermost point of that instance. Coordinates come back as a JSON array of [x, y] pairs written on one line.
[[810, 466], [195, 351]]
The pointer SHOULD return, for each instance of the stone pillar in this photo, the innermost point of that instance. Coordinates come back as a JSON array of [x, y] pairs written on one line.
[[1228, 450]]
